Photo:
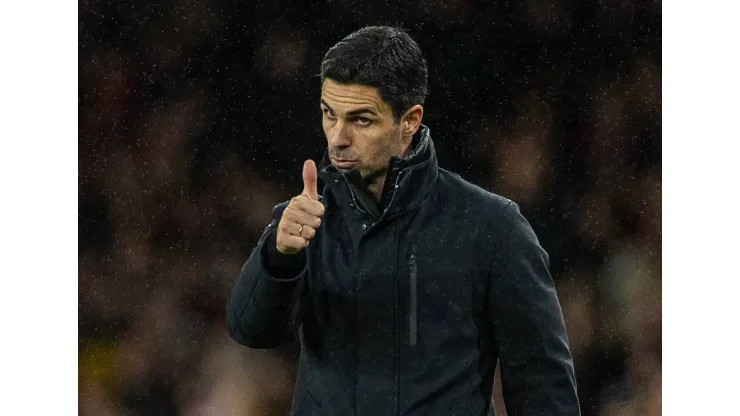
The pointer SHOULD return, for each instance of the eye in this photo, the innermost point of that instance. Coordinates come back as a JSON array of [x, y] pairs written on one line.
[[328, 113], [364, 122]]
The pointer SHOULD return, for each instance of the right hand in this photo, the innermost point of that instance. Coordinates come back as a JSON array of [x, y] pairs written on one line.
[[304, 211]]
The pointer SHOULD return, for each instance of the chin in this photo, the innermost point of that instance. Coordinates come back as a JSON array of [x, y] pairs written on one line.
[[344, 169]]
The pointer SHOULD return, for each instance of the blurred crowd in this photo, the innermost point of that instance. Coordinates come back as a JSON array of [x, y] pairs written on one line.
[[195, 117]]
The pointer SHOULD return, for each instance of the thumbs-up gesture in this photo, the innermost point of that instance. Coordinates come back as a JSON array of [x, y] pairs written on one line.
[[303, 215]]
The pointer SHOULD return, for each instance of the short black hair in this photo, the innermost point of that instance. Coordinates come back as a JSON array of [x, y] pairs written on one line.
[[383, 57]]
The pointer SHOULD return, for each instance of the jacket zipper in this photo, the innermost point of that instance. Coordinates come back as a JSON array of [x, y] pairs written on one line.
[[395, 191], [412, 299], [351, 192]]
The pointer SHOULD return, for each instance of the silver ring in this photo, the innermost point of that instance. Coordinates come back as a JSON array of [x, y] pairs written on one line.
[[300, 230]]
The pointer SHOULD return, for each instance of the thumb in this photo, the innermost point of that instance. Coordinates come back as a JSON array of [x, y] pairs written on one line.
[[310, 179]]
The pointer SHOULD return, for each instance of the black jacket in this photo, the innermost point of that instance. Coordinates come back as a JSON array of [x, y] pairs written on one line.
[[402, 307]]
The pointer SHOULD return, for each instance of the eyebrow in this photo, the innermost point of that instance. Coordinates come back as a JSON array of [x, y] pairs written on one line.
[[353, 112]]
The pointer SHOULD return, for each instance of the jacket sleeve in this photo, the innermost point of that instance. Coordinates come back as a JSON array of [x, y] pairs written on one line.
[[262, 303], [536, 366]]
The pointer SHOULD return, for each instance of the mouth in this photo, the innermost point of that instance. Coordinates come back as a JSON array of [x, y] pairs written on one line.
[[343, 163]]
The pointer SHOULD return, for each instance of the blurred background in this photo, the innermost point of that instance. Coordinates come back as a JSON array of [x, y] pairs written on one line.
[[195, 117]]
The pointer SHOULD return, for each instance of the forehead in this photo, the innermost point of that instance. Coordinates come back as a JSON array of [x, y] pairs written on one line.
[[346, 97]]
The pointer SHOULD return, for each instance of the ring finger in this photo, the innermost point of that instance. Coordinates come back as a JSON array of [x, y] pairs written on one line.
[[306, 232]]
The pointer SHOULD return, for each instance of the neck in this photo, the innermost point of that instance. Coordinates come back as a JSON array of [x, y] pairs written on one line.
[[374, 182], [376, 187]]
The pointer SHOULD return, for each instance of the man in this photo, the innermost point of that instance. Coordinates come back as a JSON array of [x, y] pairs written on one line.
[[404, 282]]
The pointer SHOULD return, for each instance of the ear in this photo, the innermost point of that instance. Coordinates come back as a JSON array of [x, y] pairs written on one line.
[[411, 121]]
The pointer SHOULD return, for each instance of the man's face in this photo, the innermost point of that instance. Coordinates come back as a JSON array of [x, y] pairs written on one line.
[[360, 130]]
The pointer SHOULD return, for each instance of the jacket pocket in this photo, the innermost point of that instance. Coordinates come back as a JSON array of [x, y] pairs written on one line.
[[413, 299]]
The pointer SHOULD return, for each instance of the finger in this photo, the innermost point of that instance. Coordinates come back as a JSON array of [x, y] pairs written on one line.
[[299, 217], [308, 232], [309, 206], [310, 179], [293, 242]]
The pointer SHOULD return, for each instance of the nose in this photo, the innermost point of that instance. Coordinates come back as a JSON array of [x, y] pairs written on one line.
[[340, 136]]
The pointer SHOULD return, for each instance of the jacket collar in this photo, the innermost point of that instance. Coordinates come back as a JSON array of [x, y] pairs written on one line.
[[407, 185]]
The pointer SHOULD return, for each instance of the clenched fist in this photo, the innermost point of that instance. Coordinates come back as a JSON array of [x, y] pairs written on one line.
[[303, 215]]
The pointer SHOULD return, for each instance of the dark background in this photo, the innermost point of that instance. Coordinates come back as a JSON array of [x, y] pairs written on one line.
[[196, 116]]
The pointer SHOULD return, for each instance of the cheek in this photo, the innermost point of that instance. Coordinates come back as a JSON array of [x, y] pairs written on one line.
[[380, 150], [371, 144]]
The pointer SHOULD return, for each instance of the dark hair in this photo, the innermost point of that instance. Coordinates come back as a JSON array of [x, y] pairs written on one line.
[[382, 57]]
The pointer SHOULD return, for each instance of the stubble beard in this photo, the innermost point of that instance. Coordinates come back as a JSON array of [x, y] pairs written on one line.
[[374, 179]]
